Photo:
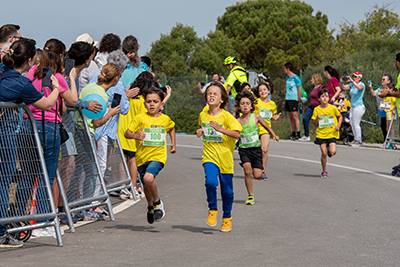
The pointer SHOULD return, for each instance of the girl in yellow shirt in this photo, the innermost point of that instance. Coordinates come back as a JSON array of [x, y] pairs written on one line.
[[268, 111], [220, 130], [326, 120]]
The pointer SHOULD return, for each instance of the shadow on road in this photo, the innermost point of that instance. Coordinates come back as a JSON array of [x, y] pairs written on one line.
[[194, 229]]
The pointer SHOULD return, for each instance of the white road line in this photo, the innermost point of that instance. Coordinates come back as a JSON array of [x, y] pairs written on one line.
[[318, 162]]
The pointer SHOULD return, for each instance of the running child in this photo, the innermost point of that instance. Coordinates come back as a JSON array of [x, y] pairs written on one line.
[[149, 130], [249, 144], [268, 111], [325, 118], [220, 131]]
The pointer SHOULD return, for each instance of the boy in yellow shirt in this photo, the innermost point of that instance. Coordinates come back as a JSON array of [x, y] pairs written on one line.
[[325, 117], [149, 130]]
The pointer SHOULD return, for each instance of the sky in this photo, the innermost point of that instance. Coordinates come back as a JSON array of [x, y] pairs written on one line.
[[146, 20]]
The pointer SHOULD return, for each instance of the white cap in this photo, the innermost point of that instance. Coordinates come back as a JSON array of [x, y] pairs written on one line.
[[87, 39]]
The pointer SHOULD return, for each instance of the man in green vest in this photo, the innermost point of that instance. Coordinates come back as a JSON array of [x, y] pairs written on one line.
[[237, 76]]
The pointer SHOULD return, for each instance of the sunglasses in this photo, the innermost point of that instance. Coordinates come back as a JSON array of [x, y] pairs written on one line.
[[357, 76]]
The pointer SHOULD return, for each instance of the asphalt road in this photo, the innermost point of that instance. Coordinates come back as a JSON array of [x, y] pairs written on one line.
[[299, 219]]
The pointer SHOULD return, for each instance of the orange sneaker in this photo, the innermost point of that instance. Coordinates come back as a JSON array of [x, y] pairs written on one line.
[[226, 224]]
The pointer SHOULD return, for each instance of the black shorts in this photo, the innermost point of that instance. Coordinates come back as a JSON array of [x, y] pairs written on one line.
[[319, 141], [252, 155], [129, 153], [291, 105]]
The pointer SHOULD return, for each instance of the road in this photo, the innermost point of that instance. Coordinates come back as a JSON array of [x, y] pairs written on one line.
[[299, 219]]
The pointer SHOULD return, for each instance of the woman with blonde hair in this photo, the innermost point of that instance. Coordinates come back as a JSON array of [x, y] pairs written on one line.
[[316, 80]]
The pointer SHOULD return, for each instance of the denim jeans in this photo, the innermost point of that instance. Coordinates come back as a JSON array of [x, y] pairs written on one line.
[[32, 170], [306, 120]]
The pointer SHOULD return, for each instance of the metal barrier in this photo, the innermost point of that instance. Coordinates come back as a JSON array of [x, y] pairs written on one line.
[[392, 140], [79, 173], [25, 188]]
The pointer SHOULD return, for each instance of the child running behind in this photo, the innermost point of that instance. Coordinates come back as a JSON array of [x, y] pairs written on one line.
[[268, 111], [220, 131], [325, 118], [149, 130], [249, 145]]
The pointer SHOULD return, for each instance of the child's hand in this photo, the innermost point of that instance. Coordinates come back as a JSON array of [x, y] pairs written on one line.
[[394, 112], [173, 149], [199, 132], [141, 135], [215, 125], [131, 93], [275, 117], [337, 128], [318, 116], [276, 138]]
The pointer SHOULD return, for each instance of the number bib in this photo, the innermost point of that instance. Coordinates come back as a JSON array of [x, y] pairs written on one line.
[[326, 121], [385, 105], [249, 139], [266, 114], [209, 134], [154, 137]]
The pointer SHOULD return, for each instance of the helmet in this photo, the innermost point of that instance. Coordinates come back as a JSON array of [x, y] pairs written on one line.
[[230, 60]]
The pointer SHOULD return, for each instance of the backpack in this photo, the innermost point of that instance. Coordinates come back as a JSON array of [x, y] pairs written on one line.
[[237, 84]]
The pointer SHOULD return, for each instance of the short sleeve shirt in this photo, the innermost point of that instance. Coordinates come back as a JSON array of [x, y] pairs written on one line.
[[356, 95], [329, 113], [266, 110], [291, 87]]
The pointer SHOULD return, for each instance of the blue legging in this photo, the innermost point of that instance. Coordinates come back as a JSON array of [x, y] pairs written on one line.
[[212, 173]]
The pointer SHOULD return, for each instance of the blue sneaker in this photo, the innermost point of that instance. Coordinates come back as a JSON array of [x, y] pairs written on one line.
[[264, 177], [324, 174]]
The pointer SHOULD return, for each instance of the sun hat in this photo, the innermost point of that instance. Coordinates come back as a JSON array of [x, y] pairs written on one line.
[[87, 39]]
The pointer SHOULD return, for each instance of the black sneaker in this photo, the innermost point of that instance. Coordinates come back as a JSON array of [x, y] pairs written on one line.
[[6, 241], [150, 214], [159, 212]]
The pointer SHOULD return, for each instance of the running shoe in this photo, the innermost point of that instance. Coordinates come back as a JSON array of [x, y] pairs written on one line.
[[125, 194], [356, 144], [159, 212], [264, 177], [150, 214], [6, 241], [226, 225], [250, 200], [324, 174], [305, 139], [212, 218]]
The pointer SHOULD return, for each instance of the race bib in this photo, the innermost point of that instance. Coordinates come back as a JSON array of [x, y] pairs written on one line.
[[249, 139], [385, 105], [154, 137], [266, 114], [326, 121], [209, 134]]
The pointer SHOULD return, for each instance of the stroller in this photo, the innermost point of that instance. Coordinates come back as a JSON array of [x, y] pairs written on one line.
[[346, 133]]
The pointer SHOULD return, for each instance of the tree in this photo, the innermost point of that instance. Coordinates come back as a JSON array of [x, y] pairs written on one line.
[[268, 33], [381, 23], [210, 54], [172, 53]]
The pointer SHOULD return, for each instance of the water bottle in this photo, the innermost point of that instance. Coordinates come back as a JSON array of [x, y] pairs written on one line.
[[301, 109]]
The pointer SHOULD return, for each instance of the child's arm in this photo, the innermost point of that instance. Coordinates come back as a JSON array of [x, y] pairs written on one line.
[[199, 132], [138, 136], [260, 120], [337, 127], [230, 133], [276, 116], [316, 120], [169, 90], [173, 141]]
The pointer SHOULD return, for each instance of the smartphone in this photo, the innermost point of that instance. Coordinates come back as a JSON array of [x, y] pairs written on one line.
[[46, 75], [116, 100], [69, 64], [345, 79], [369, 83], [202, 84], [164, 89]]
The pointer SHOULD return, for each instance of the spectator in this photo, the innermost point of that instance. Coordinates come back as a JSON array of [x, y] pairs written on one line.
[[215, 78], [89, 72], [9, 33], [316, 80], [110, 42], [357, 89], [332, 84], [292, 99], [237, 76]]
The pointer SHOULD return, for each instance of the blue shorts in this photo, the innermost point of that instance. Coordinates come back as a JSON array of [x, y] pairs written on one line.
[[153, 167]]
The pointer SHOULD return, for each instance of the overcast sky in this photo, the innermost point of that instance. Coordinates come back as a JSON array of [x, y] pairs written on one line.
[[146, 20]]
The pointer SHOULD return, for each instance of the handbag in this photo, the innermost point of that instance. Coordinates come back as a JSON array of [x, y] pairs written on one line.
[[64, 136]]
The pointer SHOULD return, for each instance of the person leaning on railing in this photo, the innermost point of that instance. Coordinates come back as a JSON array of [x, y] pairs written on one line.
[[16, 89]]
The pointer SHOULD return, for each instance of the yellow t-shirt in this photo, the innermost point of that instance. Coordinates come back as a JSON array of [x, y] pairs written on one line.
[[327, 123], [388, 103], [346, 106], [266, 110], [154, 146], [136, 107], [219, 151]]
